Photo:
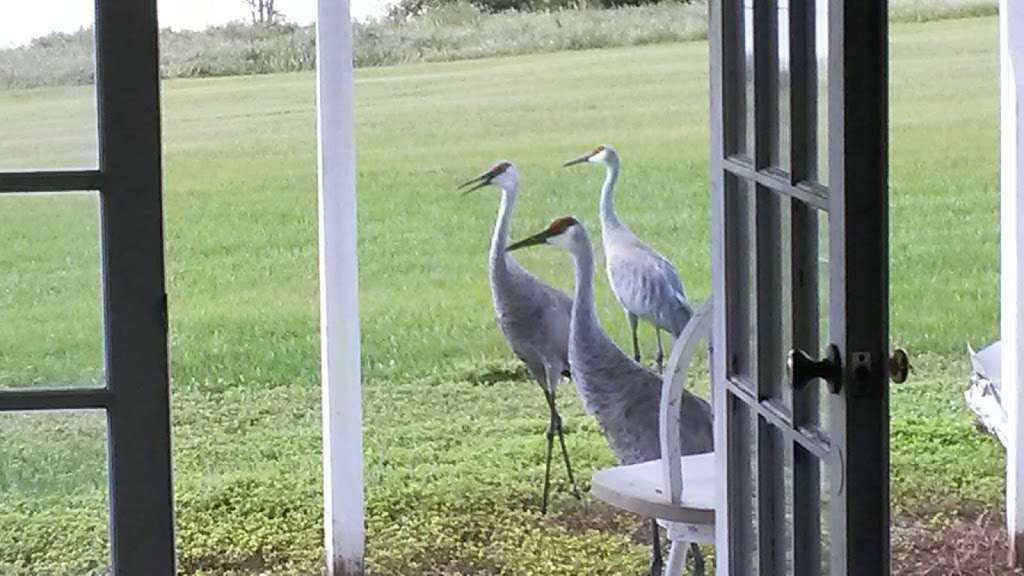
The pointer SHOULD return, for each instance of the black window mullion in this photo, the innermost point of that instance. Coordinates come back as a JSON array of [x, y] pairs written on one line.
[[50, 181], [809, 192], [812, 439], [54, 399]]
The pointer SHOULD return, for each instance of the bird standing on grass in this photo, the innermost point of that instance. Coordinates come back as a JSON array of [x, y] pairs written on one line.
[[645, 283], [622, 395], [533, 316]]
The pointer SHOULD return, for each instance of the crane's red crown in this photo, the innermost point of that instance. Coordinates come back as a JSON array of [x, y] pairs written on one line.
[[597, 150], [499, 168], [560, 225]]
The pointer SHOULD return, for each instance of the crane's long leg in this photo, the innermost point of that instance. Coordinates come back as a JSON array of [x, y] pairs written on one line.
[[547, 461], [656, 562], [633, 320], [553, 377], [568, 465]]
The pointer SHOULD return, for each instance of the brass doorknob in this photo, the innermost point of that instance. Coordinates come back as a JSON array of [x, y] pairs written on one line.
[[899, 366]]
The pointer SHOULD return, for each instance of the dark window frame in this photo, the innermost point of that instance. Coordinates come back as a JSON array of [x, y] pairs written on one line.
[[136, 395]]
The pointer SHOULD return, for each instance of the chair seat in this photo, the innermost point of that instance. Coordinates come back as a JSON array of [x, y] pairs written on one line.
[[639, 488]]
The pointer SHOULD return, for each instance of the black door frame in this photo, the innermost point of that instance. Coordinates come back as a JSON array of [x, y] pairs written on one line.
[[136, 395]]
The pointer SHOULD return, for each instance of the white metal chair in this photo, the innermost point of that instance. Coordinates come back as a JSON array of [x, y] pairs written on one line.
[[656, 489]]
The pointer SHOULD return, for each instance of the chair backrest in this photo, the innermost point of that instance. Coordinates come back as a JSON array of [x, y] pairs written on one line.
[[673, 383]]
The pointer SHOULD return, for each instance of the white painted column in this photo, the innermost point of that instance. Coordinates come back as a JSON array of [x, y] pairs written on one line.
[[339, 294], [1011, 48]]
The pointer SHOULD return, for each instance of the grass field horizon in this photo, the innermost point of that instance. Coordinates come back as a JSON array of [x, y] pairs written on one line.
[[453, 428]]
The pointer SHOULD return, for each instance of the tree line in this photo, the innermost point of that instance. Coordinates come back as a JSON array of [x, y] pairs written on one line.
[[408, 8]]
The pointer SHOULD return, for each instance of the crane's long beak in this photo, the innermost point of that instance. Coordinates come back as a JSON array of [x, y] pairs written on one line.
[[579, 160], [540, 238], [478, 182]]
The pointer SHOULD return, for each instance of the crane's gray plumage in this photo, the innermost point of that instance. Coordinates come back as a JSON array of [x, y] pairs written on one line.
[[533, 316], [623, 396], [644, 282]]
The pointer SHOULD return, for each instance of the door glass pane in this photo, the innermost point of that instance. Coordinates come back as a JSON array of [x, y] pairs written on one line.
[[788, 507], [806, 514], [781, 158], [824, 338], [743, 504], [47, 86], [53, 490], [748, 67], [51, 331], [737, 78], [771, 356], [822, 56], [826, 517], [799, 111], [741, 275], [786, 304], [773, 485], [802, 267]]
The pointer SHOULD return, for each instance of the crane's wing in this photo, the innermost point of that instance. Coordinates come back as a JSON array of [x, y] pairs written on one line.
[[534, 318], [646, 284]]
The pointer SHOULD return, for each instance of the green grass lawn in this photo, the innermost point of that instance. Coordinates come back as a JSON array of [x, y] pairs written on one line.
[[454, 431]]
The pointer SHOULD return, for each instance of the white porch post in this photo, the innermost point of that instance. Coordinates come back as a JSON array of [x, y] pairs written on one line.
[[1011, 48], [339, 294]]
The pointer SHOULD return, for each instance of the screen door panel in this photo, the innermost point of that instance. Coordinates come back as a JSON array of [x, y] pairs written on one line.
[[799, 183]]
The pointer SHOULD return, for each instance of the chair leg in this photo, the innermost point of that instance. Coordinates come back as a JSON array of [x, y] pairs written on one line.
[[677, 558]]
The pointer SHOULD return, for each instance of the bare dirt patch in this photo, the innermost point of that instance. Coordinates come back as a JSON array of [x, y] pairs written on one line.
[[596, 515], [941, 546]]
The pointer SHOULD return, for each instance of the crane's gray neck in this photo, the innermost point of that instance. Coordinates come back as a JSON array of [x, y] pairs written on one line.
[[501, 227], [584, 312], [609, 219]]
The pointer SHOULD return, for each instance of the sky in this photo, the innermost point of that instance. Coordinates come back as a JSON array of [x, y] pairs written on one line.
[[23, 21]]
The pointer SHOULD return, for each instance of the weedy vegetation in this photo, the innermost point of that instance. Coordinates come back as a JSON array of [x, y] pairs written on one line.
[[454, 428], [453, 31]]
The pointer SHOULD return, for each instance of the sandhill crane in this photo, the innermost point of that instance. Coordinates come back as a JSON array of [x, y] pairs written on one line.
[[645, 283], [533, 316], [622, 395]]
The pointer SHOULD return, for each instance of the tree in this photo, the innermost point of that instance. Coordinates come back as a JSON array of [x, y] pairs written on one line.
[[262, 11]]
